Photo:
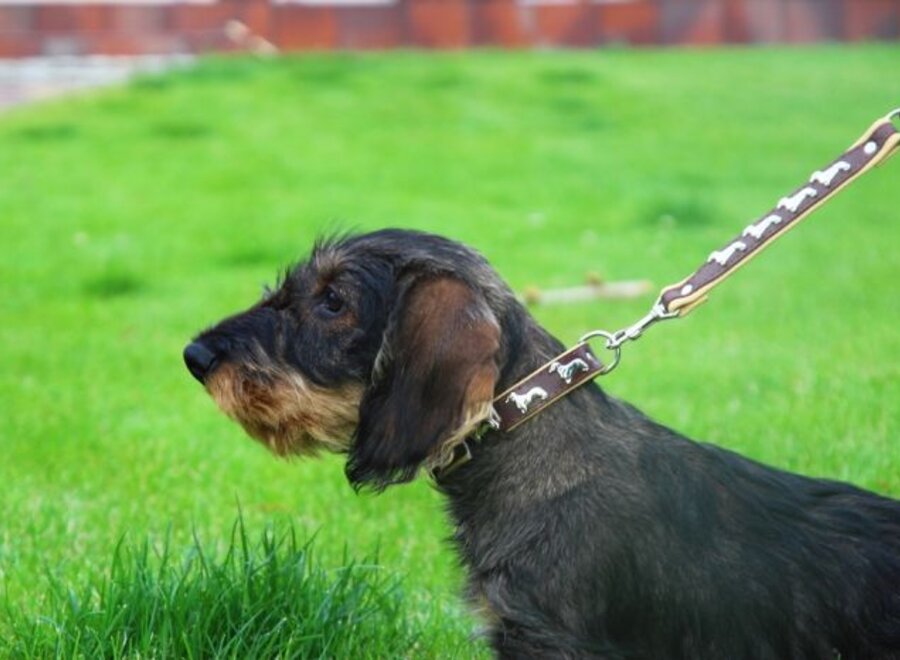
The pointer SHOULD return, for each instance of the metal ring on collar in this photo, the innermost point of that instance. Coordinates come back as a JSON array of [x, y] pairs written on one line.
[[616, 350]]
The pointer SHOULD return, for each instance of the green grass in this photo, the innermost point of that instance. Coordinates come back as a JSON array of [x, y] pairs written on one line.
[[132, 218], [253, 600]]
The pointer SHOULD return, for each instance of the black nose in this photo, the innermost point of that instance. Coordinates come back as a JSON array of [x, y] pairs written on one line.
[[199, 359]]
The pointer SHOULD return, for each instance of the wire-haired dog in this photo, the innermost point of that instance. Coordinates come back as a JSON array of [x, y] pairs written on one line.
[[589, 530]]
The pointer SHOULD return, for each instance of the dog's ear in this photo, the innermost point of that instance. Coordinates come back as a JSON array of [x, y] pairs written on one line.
[[433, 381]]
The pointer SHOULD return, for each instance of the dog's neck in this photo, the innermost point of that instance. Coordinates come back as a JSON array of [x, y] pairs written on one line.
[[545, 457]]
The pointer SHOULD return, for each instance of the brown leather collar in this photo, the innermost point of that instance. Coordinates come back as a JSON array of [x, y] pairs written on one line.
[[544, 386]]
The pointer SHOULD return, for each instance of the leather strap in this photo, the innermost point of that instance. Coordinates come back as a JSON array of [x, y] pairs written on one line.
[[874, 147], [541, 388], [529, 396], [578, 365]]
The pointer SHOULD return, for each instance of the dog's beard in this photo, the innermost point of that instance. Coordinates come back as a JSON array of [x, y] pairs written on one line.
[[284, 411]]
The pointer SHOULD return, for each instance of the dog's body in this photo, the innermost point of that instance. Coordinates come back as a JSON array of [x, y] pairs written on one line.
[[589, 530]]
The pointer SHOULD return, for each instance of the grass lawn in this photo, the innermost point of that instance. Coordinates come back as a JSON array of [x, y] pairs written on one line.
[[132, 218]]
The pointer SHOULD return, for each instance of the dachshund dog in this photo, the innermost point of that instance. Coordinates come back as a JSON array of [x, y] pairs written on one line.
[[589, 531]]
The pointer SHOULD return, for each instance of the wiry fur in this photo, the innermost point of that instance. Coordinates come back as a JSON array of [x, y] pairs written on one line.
[[284, 411], [588, 532], [434, 381]]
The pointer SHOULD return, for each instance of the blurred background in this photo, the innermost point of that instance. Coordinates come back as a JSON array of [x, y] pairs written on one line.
[[64, 45], [133, 27]]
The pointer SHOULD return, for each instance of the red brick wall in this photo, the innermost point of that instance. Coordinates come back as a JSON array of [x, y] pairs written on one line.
[[32, 28]]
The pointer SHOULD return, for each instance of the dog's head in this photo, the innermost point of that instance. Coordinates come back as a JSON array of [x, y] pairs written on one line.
[[386, 346]]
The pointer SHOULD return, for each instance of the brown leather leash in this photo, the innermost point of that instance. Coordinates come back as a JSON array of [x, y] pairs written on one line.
[[578, 365]]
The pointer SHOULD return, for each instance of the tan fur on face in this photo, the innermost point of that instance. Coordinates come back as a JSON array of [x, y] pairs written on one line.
[[285, 412]]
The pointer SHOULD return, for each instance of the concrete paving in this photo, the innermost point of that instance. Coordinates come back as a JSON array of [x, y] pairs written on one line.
[[34, 79]]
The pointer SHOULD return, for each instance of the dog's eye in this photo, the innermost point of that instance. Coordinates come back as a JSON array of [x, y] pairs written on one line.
[[331, 302]]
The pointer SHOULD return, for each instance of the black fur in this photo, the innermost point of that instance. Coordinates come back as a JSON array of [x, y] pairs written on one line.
[[589, 531]]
